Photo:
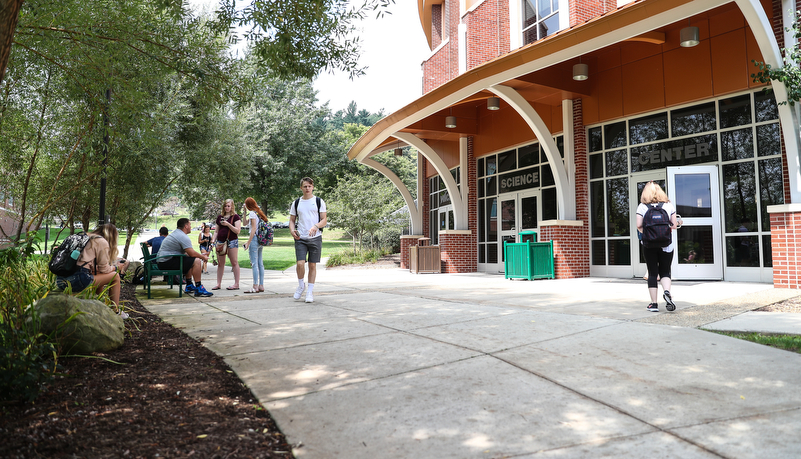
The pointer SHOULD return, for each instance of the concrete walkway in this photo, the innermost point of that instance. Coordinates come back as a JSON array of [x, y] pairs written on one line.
[[388, 364]]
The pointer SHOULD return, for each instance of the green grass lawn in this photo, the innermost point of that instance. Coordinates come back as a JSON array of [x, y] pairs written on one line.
[[790, 343]]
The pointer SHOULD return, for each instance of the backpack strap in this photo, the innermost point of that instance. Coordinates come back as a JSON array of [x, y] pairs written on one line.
[[319, 204]]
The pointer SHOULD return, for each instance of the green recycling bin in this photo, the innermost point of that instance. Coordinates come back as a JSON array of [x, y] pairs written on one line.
[[529, 259]]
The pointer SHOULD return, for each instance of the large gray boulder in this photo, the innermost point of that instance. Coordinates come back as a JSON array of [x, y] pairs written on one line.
[[97, 329]]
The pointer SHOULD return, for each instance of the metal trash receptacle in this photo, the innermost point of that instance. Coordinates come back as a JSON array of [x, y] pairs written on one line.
[[424, 258], [527, 236], [528, 260]]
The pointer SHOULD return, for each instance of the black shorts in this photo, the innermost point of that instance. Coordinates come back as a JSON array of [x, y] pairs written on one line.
[[174, 262]]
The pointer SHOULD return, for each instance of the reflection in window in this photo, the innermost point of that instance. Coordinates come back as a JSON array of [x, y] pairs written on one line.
[[619, 252], [767, 252], [739, 195], [615, 135], [492, 253], [595, 139], [618, 208], [529, 155], [770, 174], [693, 120], [492, 226], [480, 171], [597, 165], [482, 222], [546, 176], [648, 128], [768, 143], [597, 212], [599, 253], [695, 245], [742, 251], [616, 163], [507, 161], [765, 106], [540, 19], [737, 144], [549, 204], [735, 111], [490, 166], [693, 195]]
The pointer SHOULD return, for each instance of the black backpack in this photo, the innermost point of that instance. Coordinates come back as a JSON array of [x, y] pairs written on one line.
[[297, 201], [656, 227], [65, 256]]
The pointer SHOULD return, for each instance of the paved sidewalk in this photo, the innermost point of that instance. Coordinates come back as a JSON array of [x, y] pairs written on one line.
[[388, 364]]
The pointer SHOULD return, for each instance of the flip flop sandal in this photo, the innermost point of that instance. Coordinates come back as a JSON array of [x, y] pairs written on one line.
[[251, 291], [232, 288], [215, 288]]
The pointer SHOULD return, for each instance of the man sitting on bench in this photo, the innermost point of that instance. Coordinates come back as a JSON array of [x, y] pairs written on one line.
[[178, 243]]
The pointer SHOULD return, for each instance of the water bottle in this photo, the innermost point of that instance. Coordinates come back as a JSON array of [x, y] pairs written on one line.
[[75, 254]]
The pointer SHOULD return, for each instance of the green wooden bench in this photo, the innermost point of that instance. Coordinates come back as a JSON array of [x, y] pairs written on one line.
[[152, 270]]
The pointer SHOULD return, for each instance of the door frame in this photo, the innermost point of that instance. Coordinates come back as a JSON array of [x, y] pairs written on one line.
[[639, 269], [517, 197]]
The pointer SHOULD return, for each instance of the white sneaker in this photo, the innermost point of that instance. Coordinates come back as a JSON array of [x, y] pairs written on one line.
[[309, 297], [124, 315], [299, 291]]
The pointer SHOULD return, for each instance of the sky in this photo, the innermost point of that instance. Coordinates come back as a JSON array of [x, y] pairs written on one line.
[[393, 48]]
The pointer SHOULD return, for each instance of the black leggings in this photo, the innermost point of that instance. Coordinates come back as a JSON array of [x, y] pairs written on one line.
[[658, 262]]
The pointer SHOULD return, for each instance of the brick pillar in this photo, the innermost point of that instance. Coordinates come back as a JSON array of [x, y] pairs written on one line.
[[571, 249], [785, 242], [458, 251], [406, 242]]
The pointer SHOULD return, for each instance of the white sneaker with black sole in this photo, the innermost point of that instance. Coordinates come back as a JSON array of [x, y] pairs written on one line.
[[309, 297]]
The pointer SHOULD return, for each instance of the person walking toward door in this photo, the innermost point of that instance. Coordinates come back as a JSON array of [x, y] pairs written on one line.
[[656, 219]]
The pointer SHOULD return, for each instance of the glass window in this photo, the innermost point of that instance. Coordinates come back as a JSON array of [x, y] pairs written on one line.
[[529, 155], [684, 152], [735, 111], [480, 188], [540, 19], [560, 145], [742, 251], [695, 245], [492, 213], [739, 195], [617, 205], [693, 195], [444, 198], [737, 144], [597, 211], [619, 252], [492, 253], [767, 251], [597, 165], [765, 106], [616, 163], [549, 204], [482, 253], [648, 128], [615, 135], [598, 253], [770, 193], [433, 185], [480, 168], [547, 175], [492, 184], [693, 120], [768, 140], [507, 161], [594, 139], [490, 170]]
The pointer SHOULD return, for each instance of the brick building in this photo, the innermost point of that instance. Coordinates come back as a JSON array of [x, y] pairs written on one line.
[[550, 115]]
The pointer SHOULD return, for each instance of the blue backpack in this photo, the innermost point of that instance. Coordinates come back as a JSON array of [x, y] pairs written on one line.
[[264, 233]]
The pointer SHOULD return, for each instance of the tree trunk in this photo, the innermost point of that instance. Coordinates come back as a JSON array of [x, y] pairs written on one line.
[[9, 13]]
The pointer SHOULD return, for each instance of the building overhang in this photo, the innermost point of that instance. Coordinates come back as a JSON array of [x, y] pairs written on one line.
[[540, 71]]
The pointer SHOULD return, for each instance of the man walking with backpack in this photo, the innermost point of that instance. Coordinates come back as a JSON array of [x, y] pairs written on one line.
[[307, 218], [656, 219]]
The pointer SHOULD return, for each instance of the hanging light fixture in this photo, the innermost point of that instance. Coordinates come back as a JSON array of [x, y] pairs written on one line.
[[493, 103], [450, 120], [398, 149], [581, 71], [689, 36]]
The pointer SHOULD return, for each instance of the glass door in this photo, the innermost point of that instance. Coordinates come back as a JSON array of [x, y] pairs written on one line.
[[507, 216], [638, 182], [528, 211], [696, 194]]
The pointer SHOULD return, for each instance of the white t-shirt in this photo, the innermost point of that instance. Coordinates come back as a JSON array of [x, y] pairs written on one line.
[[307, 216], [669, 208]]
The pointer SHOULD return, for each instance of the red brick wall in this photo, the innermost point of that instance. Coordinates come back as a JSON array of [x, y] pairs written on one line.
[[571, 250], [487, 32], [583, 11], [458, 252], [785, 236], [406, 242], [436, 26]]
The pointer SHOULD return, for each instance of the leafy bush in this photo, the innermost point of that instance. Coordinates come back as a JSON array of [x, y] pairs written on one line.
[[350, 257], [28, 358]]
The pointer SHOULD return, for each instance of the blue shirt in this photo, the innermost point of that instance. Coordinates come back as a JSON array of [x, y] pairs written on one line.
[[156, 243]]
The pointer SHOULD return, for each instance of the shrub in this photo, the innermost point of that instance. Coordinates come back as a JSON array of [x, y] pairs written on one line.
[[350, 257]]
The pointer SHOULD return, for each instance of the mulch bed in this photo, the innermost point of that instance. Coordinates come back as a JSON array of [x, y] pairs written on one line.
[[166, 396]]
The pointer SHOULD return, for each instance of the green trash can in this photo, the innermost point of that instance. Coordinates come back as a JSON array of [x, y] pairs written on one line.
[[529, 259]]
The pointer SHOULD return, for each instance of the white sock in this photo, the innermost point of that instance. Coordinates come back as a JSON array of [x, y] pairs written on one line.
[[300, 283], [310, 288]]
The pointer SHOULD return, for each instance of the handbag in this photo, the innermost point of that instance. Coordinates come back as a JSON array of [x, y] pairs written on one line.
[[222, 248]]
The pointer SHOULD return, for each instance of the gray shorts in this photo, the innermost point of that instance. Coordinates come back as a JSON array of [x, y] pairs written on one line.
[[313, 247]]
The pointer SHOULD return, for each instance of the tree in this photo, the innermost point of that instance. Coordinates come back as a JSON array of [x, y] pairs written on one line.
[[790, 74]]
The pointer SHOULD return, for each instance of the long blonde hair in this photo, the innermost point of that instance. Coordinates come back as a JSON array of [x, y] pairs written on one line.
[[652, 194], [233, 211], [250, 204], [109, 232]]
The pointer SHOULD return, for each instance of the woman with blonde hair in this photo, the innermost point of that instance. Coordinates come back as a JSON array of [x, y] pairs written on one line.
[[99, 264], [255, 215], [226, 242], [657, 259]]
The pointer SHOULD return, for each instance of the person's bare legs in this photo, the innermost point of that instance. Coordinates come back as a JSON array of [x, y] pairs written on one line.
[[197, 270], [300, 268], [220, 270], [653, 292], [665, 284], [312, 272], [233, 255], [103, 279]]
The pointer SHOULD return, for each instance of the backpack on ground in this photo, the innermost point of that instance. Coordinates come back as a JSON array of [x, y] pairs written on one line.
[[297, 201], [656, 227], [65, 257], [264, 233], [138, 273]]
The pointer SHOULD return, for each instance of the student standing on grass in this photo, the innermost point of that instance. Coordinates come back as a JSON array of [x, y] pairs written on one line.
[[307, 218], [252, 246]]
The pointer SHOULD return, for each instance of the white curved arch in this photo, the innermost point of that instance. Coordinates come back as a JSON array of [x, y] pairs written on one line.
[[763, 33], [566, 196], [459, 211], [414, 211]]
